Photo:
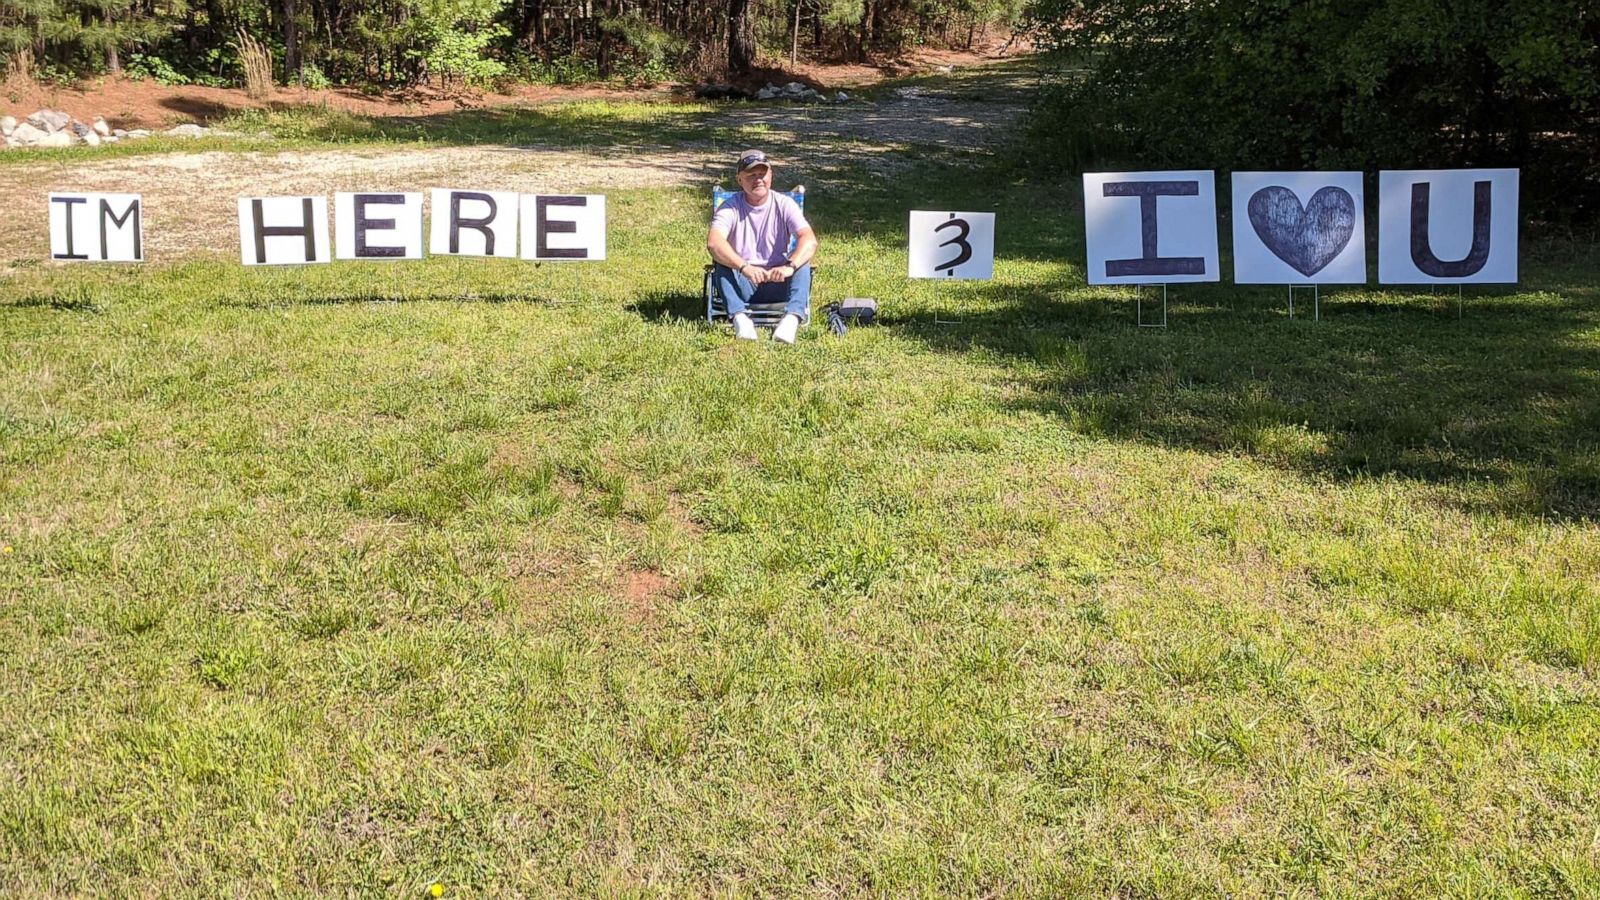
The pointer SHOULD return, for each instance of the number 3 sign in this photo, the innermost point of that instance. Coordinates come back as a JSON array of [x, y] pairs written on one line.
[[950, 245]]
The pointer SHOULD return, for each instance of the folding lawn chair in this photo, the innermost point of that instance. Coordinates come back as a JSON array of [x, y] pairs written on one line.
[[764, 314]]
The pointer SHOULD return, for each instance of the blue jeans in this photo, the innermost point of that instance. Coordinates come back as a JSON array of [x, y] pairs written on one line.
[[738, 292]]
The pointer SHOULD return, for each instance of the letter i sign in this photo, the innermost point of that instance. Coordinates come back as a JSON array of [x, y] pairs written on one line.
[[951, 245]]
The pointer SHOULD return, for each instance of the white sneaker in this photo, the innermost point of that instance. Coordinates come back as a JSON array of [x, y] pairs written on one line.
[[743, 328], [786, 329]]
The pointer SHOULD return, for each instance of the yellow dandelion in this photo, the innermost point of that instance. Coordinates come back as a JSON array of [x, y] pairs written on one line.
[[436, 889]]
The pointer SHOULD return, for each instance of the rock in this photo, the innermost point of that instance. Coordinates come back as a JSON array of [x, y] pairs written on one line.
[[136, 134], [119, 133], [767, 93], [8, 125], [110, 139], [794, 87], [841, 97], [27, 135], [100, 127], [187, 130], [55, 139], [49, 120], [83, 133], [810, 96]]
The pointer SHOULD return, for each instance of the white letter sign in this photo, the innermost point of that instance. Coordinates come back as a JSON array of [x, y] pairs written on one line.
[[378, 225], [1298, 228], [563, 227], [281, 231], [97, 227], [950, 245], [473, 223], [1447, 227], [1150, 227]]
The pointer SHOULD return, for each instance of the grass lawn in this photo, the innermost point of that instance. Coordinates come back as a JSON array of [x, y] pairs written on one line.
[[352, 579]]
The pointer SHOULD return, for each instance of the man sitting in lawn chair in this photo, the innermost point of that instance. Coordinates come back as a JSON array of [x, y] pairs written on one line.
[[749, 243]]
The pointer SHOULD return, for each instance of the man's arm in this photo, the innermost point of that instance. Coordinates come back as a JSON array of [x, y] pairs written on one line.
[[805, 247], [723, 253]]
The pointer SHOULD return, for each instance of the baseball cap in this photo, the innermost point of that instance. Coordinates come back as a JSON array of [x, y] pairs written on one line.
[[749, 159]]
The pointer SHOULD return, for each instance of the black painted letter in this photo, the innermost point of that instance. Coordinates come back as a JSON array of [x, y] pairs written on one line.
[[68, 201], [264, 231], [543, 227], [1422, 250], [482, 225], [132, 212], [364, 225], [1149, 263]]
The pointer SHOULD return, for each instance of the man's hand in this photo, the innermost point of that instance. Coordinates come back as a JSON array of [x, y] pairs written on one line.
[[780, 273], [756, 274]]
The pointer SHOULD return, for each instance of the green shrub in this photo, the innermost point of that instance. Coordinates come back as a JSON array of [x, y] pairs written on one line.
[[1363, 84], [141, 67]]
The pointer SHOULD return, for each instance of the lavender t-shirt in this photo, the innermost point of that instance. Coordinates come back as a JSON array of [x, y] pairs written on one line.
[[760, 234]]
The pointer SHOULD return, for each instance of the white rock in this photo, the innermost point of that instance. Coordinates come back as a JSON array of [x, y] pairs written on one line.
[[767, 93], [793, 87], [90, 138], [100, 127], [118, 132], [110, 139], [26, 134], [187, 130], [841, 96], [137, 133], [55, 139], [49, 120], [8, 125]]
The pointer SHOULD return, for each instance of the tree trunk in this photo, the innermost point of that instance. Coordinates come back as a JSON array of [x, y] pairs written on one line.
[[741, 37], [794, 41], [291, 42], [113, 59]]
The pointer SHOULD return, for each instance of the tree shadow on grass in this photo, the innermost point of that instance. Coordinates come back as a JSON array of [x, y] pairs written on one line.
[[1384, 384], [386, 298], [667, 306], [69, 303]]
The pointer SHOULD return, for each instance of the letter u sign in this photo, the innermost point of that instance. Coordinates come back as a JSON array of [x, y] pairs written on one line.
[[1447, 226]]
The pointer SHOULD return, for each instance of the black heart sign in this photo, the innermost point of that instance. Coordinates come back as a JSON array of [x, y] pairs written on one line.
[[1308, 237]]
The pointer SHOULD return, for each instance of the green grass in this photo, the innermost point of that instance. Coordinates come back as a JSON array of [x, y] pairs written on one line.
[[522, 579]]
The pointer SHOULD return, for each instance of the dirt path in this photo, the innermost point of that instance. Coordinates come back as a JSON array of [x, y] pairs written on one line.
[[190, 197]]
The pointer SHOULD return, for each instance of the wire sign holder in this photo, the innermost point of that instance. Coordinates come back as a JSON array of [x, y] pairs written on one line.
[[1138, 306], [1316, 300]]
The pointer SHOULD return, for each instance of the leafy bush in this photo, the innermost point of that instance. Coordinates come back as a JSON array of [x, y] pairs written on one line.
[[313, 78], [141, 67], [457, 55], [1361, 84], [558, 70], [652, 49]]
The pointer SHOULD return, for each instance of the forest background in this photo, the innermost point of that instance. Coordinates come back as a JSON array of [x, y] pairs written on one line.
[[1226, 84]]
